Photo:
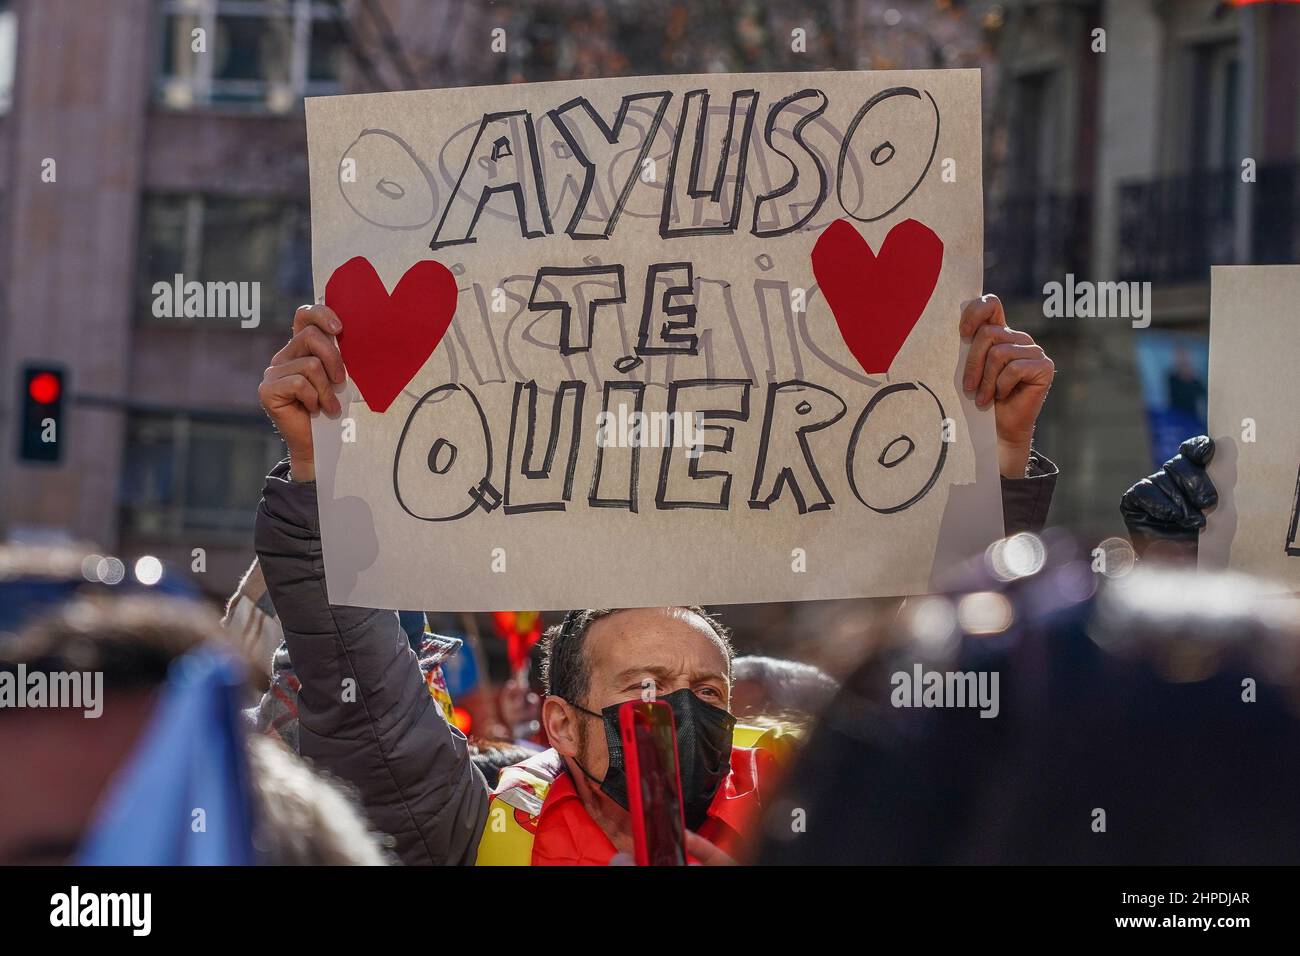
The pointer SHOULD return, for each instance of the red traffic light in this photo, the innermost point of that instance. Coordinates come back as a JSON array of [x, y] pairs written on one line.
[[44, 388]]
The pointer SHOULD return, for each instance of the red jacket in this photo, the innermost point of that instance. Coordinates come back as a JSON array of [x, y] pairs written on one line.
[[564, 834]]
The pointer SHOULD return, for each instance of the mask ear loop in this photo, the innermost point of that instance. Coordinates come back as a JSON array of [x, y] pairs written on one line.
[[601, 717], [587, 773]]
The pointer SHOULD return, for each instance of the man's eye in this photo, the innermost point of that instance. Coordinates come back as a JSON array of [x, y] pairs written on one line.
[[709, 691]]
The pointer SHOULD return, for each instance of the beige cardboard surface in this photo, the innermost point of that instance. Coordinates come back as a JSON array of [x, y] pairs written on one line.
[[818, 478], [1254, 419]]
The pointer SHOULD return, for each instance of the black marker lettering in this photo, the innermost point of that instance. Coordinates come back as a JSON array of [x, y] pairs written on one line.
[[502, 159], [732, 160], [577, 116], [442, 469], [876, 442], [790, 408], [806, 163], [735, 410], [525, 461]]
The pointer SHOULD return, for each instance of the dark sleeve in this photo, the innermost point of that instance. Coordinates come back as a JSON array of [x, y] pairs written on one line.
[[1025, 500], [365, 714]]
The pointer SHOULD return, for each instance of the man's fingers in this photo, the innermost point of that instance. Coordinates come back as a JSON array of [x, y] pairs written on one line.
[[312, 341], [1034, 371], [321, 316], [986, 310], [310, 367], [999, 357], [290, 387], [986, 338]]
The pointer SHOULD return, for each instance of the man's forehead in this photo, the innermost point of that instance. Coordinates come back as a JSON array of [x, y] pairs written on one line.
[[652, 637]]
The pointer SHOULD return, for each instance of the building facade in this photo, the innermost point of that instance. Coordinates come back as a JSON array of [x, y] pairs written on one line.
[[1142, 141], [141, 140], [144, 140]]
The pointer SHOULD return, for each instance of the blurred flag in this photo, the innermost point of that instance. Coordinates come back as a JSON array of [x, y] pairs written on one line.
[[183, 798]]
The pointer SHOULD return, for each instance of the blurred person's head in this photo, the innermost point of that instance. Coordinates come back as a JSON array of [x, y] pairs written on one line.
[[251, 622], [60, 631], [304, 819], [1152, 723], [601, 658], [769, 686], [62, 758]]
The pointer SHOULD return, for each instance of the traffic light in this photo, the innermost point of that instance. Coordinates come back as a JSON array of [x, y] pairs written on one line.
[[41, 423]]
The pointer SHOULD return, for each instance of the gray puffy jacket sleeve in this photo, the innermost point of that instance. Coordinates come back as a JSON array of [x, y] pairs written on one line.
[[1025, 501], [388, 739]]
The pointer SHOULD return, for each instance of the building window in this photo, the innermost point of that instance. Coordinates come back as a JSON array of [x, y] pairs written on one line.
[[1215, 92], [217, 239], [184, 473], [1034, 133], [263, 55]]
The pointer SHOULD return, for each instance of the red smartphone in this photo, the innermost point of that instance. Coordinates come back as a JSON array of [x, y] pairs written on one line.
[[654, 785]]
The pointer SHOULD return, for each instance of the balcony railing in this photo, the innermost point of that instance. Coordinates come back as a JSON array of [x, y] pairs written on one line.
[[1031, 240], [1175, 228]]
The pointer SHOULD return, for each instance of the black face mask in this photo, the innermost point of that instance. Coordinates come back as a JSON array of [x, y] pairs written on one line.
[[703, 752]]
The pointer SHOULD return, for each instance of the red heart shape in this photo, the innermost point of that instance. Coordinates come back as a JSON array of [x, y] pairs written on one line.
[[387, 338], [877, 299]]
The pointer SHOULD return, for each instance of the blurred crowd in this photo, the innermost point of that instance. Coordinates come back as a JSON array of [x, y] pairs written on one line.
[[1151, 716]]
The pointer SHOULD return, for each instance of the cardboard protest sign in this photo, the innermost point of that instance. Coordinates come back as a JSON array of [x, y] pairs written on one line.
[[650, 340], [1254, 419]]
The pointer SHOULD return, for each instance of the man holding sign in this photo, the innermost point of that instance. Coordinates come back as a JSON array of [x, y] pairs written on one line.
[[366, 717], [637, 342]]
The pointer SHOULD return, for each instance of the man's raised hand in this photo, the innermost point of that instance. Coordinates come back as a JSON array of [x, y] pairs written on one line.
[[300, 382], [1008, 369]]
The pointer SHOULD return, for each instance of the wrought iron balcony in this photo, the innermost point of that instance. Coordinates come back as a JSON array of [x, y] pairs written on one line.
[[1175, 228], [1034, 239]]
